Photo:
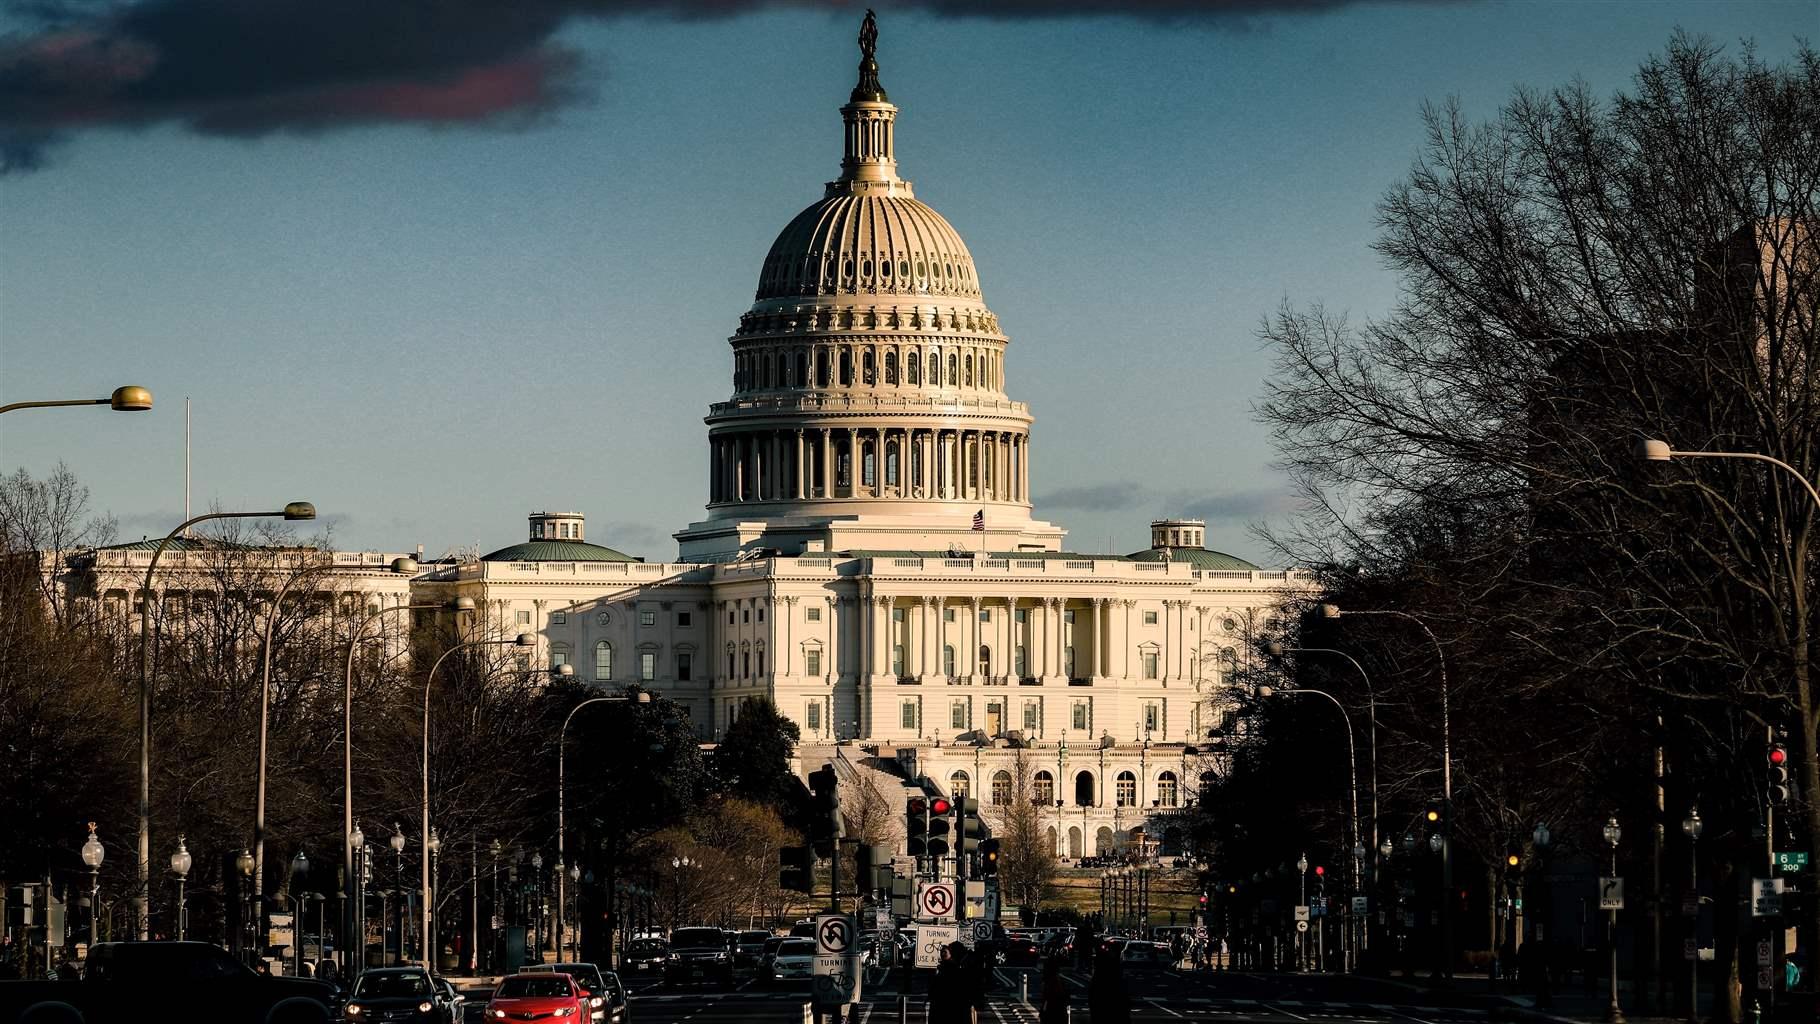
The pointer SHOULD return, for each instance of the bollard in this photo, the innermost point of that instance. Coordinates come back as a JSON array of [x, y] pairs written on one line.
[[903, 1010], [1023, 988]]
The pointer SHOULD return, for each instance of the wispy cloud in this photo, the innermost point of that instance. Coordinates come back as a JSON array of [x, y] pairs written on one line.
[[1221, 506], [247, 68]]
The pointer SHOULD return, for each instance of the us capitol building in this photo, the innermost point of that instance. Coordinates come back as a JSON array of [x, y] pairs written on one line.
[[869, 560]]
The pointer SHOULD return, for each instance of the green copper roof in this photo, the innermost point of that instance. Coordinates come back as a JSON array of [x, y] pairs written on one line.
[[557, 551], [1200, 558]]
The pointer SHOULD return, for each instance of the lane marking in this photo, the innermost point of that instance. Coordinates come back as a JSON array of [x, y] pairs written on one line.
[[1278, 1008], [1165, 1009]]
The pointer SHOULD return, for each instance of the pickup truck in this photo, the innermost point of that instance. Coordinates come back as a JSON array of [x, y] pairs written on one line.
[[137, 981]]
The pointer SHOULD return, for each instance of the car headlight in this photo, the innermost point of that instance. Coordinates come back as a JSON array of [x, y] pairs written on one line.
[[424, 1007], [595, 1001], [353, 1009], [567, 1011], [500, 1014], [675, 956]]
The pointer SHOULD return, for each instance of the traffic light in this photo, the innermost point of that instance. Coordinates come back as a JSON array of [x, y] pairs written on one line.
[[1432, 815], [967, 828], [825, 825], [936, 843], [989, 858], [916, 826], [1320, 871], [874, 863], [1513, 857], [798, 869], [1778, 774]]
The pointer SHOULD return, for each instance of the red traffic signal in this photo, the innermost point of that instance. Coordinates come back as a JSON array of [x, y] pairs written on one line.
[[1203, 899], [1319, 870], [917, 806], [940, 805], [1778, 755]]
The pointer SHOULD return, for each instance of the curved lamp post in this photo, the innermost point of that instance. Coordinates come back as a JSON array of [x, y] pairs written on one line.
[[296, 511], [348, 831], [181, 862], [1352, 762], [561, 775], [130, 398], [1371, 741], [93, 853], [1446, 836], [405, 566], [430, 841]]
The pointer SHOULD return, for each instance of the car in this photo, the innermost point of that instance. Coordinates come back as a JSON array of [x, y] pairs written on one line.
[[646, 955], [453, 999], [803, 930], [794, 961], [390, 994], [764, 958], [698, 953], [602, 989], [537, 996], [1146, 956], [1012, 951], [133, 980], [751, 947]]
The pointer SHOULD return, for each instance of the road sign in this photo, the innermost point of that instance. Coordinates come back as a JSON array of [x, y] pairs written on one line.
[[1301, 915], [882, 919], [1611, 893], [1766, 979], [1791, 860], [1361, 905], [1766, 953], [935, 900], [978, 931], [1765, 897], [992, 900], [837, 968], [1301, 926], [1687, 949], [930, 938]]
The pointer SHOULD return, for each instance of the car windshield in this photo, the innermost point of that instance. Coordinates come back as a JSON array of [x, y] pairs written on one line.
[[797, 947], [753, 938], [376, 985], [585, 975], [521, 986], [652, 946], [697, 938]]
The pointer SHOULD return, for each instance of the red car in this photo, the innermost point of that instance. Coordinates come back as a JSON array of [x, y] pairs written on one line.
[[545, 997]]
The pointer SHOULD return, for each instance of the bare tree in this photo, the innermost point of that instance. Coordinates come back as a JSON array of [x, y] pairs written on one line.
[[1026, 849]]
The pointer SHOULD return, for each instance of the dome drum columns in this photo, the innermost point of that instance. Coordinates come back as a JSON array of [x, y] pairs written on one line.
[[860, 462]]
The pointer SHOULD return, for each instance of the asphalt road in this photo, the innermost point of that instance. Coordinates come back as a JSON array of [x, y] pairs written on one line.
[[1156, 996]]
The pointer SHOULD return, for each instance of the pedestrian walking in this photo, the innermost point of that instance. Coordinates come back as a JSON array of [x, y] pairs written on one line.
[[955, 993], [1107, 999], [1053, 1003]]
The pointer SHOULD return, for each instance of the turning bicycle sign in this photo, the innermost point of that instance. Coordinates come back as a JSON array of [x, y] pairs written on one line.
[[837, 967], [935, 900]]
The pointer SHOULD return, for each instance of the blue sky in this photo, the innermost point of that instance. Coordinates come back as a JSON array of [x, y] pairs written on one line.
[[431, 330]]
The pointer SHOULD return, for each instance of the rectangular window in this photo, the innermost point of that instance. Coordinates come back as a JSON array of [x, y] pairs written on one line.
[[558, 657], [647, 666], [1030, 714], [897, 614], [745, 615], [559, 618], [814, 716], [907, 715], [897, 659], [985, 615], [947, 615], [682, 666], [1149, 618], [815, 615], [1021, 615], [761, 661], [1153, 718], [683, 620], [1068, 616], [1149, 664], [761, 615], [647, 618], [812, 661], [957, 715], [1080, 714], [524, 618], [1023, 664]]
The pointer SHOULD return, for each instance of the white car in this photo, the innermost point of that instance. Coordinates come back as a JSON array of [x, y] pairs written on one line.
[[794, 961]]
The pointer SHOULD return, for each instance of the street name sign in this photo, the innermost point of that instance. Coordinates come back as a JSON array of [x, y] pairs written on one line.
[[1791, 860], [1611, 894], [1361, 905], [930, 938], [837, 969]]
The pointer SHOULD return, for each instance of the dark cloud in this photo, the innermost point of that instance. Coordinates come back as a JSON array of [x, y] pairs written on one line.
[[1241, 505], [247, 68], [1127, 494], [1095, 497]]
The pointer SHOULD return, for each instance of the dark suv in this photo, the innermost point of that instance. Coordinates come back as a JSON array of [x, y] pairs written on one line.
[[698, 954]]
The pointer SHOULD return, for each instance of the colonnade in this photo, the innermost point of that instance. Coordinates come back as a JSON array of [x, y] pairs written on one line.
[[798, 366], [869, 462]]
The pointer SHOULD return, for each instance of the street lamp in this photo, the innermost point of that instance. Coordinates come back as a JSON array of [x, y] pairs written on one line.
[[1652, 450], [1371, 743], [522, 640], [180, 866], [537, 902], [93, 853], [1692, 826], [250, 930], [458, 606], [397, 844], [1613, 834], [124, 399], [405, 566], [1301, 942], [300, 867], [1445, 848], [562, 753], [296, 511]]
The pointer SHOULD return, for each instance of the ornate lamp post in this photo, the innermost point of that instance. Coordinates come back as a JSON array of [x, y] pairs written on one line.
[[1613, 834], [432, 847], [397, 844], [300, 868], [180, 866], [537, 917], [1692, 826], [93, 853], [250, 930], [355, 955], [1301, 941]]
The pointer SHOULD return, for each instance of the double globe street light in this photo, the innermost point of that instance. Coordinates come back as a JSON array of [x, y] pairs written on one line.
[[93, 853], [180, 866]]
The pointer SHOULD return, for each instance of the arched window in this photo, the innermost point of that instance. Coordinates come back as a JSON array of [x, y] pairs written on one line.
[[846, 368], [1083, 789], [865, 365], [869, 464], [953, 378], [822, 368], [891, 463], [1103, 844], [910, 368], [1165, 789], [1043, 790], [1001, 787], [948, 659], [770, 370], [1127, 789], [890, 367], [603, 661], [985, 660], [967, 369], [958, 784], [802, 369]]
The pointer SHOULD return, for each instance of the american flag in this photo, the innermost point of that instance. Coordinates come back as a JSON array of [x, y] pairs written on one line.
[[979, 520]]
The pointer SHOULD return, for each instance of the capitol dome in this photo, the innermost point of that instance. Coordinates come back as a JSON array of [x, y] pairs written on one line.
[[866, 244]]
